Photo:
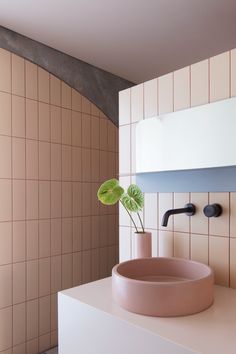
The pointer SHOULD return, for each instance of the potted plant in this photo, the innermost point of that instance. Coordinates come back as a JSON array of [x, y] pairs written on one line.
[[110, 193]]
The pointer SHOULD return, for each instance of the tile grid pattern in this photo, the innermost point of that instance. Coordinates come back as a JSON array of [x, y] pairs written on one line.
[[55, 149], [210, 241]]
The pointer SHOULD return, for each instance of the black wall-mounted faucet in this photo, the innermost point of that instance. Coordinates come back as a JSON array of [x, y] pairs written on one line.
[[189, 210]]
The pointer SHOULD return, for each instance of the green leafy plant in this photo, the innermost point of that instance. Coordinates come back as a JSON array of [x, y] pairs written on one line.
[[110, 192]]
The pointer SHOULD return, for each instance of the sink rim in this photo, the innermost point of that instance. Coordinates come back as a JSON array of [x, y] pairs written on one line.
[[207, 274]]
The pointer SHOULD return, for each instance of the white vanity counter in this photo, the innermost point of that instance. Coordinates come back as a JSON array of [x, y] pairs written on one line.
[[91, 323]]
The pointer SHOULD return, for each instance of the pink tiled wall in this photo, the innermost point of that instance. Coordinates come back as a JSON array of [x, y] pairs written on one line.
[[55, 149], [210, 241]]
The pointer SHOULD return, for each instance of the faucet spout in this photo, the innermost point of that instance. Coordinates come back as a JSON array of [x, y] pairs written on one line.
[[189, 210]]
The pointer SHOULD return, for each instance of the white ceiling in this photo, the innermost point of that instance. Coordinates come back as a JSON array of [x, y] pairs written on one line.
[[135, 39]]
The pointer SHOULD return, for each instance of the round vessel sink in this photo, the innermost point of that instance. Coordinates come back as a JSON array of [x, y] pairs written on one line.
[[163, 286]]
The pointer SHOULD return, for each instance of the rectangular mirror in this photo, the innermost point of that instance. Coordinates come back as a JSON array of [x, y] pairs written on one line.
[[196, 138]]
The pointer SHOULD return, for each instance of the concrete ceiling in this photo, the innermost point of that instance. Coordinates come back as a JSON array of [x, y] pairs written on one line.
[[135, 39]]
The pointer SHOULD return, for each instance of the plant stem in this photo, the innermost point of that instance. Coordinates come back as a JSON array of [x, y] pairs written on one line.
[[140, 221], [130, 216]]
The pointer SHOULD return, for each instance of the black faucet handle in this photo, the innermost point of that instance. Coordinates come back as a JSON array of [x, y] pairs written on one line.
[[213, 210]]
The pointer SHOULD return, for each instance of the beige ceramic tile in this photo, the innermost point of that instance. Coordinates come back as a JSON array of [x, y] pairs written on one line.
[[199, 248], [103, 231], [77, 234], [67, 266], [32, 272], [95, 264], [86, 165], [19, 323], [86, 198], [166, 244], [44, 315], [233, 72], [150, 211], [5, 113], [86, 105], [137, 104], [43, 85], [67, 238], [55, 91], [19, 282], [55, 274], [77, 268], [18, 116], [18, 200], [103, 129], [44, 238], [182, 89], [94, 133], [103, 167], [219, 77], [150, 98], [124, 145], [66, 98], [32, 346], [76, 164], [31, 119], [5, 285], [86, 130], [32, 157], [55, 237], [66, 163], [77, 197], [66, 199], [199, 223], [200, 83], [6, 202], [181, 221], [19, 349], [56, 195], [44, 122], [232, 214], [44, 342], [32, 319], [53, 312], [5, 157], [55, 116], [31, 199], [19, 241], [233, 263], [165, 203], [56, 162], [5, 243], [86, 269], [44, 160], [66, 126], [31, 77], [18, 75], [94, 110], [44, 199], [76, 129], [165, 92], [76, 101], [95, 162], [124, 107], [6, 327], [44, 276], [32, 239], [112, 135], [103, 260], [220, 226], [181, 245], [219, 259], [18, 158], [5, 70], [124, 243]]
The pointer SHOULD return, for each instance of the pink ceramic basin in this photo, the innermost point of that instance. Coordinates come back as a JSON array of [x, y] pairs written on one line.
[[163, 286]]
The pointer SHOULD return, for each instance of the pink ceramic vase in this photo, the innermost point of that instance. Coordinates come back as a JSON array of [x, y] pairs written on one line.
[[142, 244]]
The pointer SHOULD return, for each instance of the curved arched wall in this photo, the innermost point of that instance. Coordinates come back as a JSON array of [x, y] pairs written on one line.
[[56, 147]]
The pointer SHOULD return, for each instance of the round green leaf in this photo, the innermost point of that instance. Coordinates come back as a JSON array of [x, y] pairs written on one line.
[[110, 192], [133, 200]]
